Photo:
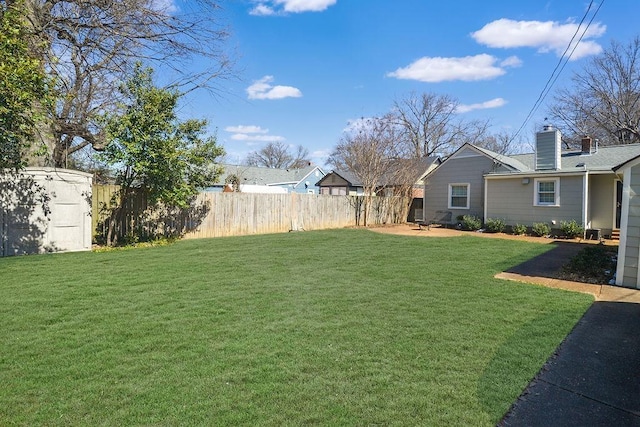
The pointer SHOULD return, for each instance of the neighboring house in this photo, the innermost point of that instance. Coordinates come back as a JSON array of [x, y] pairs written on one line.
[[415, 171], [628, 270], [340, 183], [547, 186], [253, 179], [343, 183]]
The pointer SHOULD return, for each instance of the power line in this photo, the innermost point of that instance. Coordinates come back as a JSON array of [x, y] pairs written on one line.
[[562, 62]]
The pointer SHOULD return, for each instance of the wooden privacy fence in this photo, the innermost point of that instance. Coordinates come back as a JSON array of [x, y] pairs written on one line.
[[233, 214]]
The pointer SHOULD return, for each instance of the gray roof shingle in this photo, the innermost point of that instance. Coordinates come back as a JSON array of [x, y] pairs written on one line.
[[265, 176], [603, 160]]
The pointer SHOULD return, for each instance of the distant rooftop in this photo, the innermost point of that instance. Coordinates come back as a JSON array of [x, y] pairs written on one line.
[[255, 175]]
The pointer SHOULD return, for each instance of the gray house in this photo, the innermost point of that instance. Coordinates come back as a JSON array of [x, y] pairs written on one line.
[[548, 186], [456, 186]]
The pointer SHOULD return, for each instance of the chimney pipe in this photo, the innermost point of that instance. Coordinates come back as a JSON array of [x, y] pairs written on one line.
[[548, 149]]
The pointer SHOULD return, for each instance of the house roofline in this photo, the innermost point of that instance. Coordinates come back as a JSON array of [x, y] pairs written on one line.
[[311, 171], [531, 174], [481, 151], [626, 163]]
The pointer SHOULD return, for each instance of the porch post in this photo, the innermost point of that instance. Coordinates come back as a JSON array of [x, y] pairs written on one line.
[[585, 203], [486, 184]]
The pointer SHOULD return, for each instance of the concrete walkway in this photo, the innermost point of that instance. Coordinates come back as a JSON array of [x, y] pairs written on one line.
[[593, 379], [543, 270]]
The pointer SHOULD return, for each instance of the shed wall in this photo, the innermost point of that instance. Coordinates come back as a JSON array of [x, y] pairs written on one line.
[[45, 210]]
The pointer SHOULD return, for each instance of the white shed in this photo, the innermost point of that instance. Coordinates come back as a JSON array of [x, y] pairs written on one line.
[[628, 271], [45, 210]]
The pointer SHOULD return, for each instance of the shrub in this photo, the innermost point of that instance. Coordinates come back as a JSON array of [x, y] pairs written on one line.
[[571, 229], [495, 225], [471, 222], [541, 229], [519, 229], [593, 264]]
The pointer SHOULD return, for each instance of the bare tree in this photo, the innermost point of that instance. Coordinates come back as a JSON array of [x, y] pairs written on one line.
[[277, 155], [90, 46], [501, 143], [429, 125], [604, 101], [365, 152]]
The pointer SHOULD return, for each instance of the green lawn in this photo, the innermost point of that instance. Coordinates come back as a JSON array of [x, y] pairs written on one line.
[[342, 327]]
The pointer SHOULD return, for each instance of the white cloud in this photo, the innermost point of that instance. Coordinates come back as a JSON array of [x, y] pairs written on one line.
[[493, 103], [252, 133], [262, 89], [438, 69], [245, 129], [298, 6], [547, 36], [273, 7], [262, 10], [512, 61], [168, 7], [256, 138], [321, 154]]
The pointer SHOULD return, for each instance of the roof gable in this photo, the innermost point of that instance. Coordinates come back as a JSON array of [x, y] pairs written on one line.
[[335, 178], [469, 150]]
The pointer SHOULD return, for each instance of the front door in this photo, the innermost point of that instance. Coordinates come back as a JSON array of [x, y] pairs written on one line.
[[618, 203]]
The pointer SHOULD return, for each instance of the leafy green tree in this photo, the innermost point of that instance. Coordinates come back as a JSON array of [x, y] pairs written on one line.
[[155, 152], [23, 87]]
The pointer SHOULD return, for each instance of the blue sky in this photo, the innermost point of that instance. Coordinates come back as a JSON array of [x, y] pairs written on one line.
[[307, 68]]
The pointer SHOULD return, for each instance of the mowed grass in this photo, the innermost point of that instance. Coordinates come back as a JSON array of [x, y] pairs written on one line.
[[341, 327]]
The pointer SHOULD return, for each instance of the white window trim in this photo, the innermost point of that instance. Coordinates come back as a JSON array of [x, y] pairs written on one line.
[[536, 201], [459, 184]]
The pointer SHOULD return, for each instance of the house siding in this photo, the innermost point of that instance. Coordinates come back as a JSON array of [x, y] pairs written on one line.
[[601, 202], [632, 243], [548, 150], [512, 201], [468, 167]]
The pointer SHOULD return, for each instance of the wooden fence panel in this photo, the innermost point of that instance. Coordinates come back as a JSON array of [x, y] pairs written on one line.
[[234, 214]]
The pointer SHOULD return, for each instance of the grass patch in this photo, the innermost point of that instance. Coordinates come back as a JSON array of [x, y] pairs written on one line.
[[344, 327]]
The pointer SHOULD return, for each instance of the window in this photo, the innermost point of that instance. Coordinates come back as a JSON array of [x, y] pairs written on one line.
[[458, 196], [547, 192]]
